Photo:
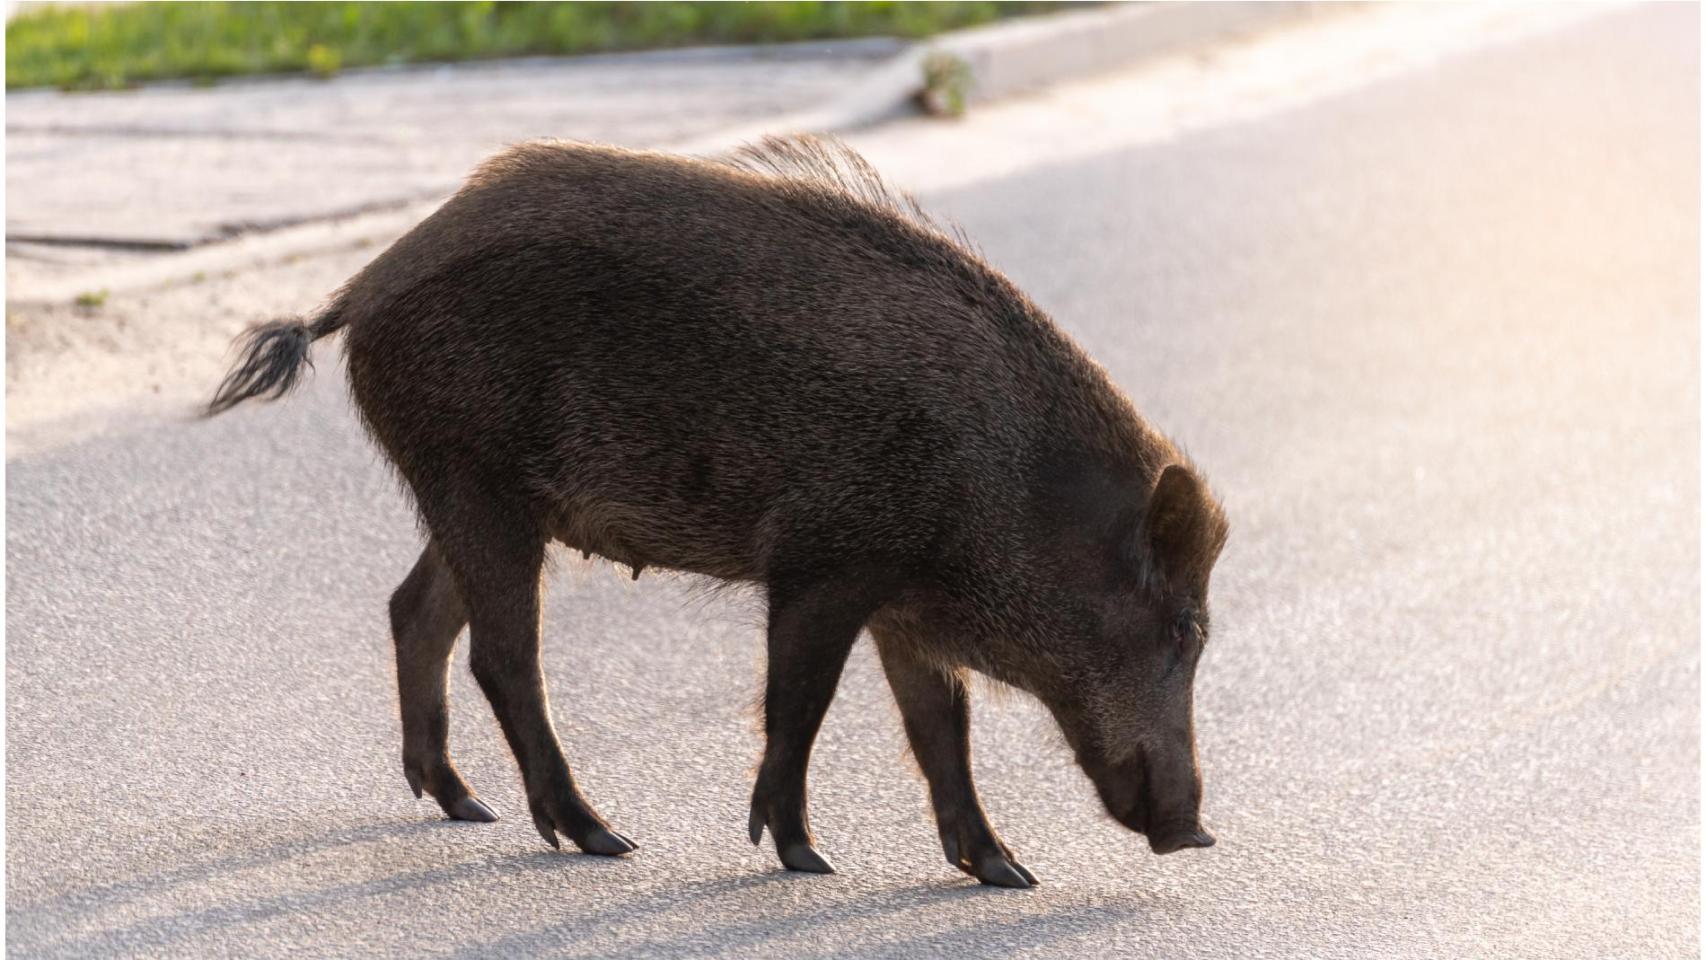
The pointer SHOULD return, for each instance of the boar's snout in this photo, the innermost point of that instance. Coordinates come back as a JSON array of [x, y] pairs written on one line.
[[1159, 799], [1164, 843]]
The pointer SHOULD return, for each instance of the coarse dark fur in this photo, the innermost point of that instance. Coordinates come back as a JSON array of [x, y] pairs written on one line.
[[773, 369]]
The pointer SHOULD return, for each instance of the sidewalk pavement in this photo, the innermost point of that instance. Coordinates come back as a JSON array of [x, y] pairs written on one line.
[[174, 167]]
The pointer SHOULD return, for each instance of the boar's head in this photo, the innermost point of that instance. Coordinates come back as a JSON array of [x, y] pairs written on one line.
[[1126, 672]]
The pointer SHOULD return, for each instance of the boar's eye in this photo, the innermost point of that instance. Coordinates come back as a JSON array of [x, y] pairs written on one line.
[[1187, 634]]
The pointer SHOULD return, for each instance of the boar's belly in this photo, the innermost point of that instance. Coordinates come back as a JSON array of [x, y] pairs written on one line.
[[667, 535]]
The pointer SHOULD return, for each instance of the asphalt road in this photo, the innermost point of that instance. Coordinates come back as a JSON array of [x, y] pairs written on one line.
[[1435, 342]]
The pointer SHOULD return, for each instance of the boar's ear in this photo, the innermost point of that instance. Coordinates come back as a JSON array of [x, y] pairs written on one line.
[[1183, 531]]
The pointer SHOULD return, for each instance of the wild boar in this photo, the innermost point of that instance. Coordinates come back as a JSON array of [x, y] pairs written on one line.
[[772, 369]]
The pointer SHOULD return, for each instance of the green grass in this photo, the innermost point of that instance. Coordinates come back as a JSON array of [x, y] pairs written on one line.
[[105, 47]]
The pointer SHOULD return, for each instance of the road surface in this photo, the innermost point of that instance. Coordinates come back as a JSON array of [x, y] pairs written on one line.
[[1435, 342]]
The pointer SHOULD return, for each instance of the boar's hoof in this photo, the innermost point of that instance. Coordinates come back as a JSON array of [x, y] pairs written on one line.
[[452, 794], [468, 808], [598, 840], [995, 867], [801, 857], [798, 855], [997, 871], [607, 843]]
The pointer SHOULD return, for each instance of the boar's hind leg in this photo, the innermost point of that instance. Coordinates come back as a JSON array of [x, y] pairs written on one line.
[[937, 714], [497, 556], [426, 615], [811, 631]]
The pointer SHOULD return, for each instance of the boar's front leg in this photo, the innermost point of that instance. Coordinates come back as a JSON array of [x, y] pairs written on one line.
[[936, 711], [811, 632]]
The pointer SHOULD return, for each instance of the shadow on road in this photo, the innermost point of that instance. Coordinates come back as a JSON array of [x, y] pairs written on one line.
[[75, 909], [808, 922], [727, 916]]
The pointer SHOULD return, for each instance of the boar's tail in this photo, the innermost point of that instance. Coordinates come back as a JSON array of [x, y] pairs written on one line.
[[273, 357]]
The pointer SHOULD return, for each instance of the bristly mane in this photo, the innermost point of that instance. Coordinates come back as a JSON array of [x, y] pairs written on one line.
[[1104, 416], [828, 164]]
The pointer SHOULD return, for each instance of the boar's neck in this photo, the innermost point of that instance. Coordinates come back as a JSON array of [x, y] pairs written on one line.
[[1023, 582]]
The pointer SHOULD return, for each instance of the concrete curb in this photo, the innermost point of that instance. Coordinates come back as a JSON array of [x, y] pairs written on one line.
[[1003, 59], [1012, 57]]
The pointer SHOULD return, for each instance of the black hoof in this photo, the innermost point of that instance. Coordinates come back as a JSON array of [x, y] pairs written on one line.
[[995, 866], [801, 857], [997, 872], [470, 809], [607, 843]]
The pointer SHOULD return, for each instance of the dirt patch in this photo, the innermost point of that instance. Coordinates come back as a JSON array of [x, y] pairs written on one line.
[[153, 355]]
